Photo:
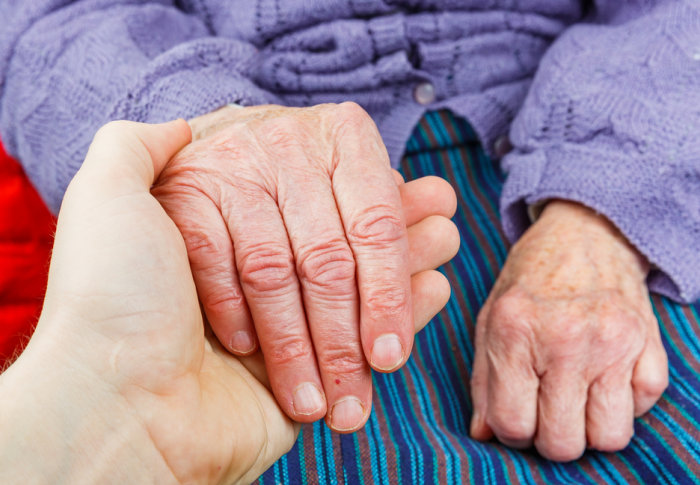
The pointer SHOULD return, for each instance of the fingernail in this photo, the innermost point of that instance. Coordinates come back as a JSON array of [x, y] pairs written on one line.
[[307, 399], [347, 414], [387, 352], [242, 342]]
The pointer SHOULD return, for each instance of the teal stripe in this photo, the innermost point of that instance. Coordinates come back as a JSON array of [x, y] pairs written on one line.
[[390, 433], [485, 226], [318, 451], [358, 462], [473, 204], [376, 437], [681, 409], [463, 341], [444, 382], [682, 325], [415, 458], [491, 229], [429, 417], [641, 452], [417, 472], [605, 468], [285, 471], [662, 442], [276, 468], [329, 458], [440, 134], [468, 261], [373, 452], [302, 461], [691, 446], [493, 176], [629, 467], [450, 452]]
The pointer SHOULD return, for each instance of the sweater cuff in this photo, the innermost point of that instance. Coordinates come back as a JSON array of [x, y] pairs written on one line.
[[652, 203]]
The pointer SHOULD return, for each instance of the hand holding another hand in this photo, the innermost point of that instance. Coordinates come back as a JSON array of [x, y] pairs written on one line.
[[122, 382], [300, 238], [119, 383]]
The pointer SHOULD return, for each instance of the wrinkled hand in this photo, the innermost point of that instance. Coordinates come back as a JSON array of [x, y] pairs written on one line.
[[297, 233], [568, 350], [119, 374]]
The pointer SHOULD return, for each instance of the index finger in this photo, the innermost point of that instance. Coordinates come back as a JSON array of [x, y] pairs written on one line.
[[370, 207]]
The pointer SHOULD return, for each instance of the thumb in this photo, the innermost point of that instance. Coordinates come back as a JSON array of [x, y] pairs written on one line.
[[126, 156]]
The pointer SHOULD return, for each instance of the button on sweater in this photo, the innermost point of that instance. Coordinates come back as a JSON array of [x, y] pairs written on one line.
[[599, 99]]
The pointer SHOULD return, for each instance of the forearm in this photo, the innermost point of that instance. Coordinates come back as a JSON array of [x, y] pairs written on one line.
[[62, 425], [576, 219]]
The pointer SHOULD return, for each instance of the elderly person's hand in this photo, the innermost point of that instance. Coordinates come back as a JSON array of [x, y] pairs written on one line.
[[568, 350], [121, 382], [296, 234]]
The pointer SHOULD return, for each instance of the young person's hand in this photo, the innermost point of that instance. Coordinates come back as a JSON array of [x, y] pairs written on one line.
[[119, 383]]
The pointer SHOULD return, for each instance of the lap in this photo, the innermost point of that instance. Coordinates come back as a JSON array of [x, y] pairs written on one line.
[[419, 428]]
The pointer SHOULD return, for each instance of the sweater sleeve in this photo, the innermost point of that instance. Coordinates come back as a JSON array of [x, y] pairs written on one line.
[[612, 121], [68, 67]]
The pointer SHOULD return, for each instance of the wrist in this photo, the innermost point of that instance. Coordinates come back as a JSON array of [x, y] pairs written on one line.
[[210, 123], [63, 425], [595, 226]]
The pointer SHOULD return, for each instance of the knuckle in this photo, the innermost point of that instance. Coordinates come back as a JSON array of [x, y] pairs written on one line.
[[652, 385], [388, 301], [380, 225], [290, 350], [350, 121], [202, 245], [351, 111], [561, 452], [266, 269], [330, 266], [509, 320], [611, 440], [343, 360], [511, 427], [222, 300]]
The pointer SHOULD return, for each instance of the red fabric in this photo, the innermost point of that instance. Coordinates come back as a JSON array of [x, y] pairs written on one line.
[[26, 236]]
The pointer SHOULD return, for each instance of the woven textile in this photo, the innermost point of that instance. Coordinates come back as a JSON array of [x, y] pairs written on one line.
[[418, 430]]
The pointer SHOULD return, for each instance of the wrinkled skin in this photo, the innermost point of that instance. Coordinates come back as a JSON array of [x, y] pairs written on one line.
[[296, 236], [121, 383], [568, 350]]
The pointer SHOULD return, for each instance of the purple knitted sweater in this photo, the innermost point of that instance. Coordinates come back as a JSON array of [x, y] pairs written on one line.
[[601, 97]]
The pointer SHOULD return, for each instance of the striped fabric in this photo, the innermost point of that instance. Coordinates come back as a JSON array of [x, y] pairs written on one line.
[[418, 430]]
